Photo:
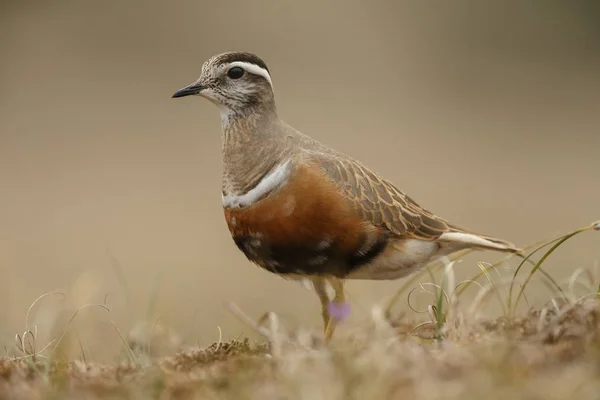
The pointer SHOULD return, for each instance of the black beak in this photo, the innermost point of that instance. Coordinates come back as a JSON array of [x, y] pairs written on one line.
[[190, 90]]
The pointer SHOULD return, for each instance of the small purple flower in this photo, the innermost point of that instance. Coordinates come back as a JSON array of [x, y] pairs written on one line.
[[338, 311]]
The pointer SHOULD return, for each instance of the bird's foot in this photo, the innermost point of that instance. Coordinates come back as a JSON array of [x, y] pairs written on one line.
[[338, 311]]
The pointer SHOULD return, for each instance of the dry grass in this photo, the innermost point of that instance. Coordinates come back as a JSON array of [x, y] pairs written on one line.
[[549, 353]]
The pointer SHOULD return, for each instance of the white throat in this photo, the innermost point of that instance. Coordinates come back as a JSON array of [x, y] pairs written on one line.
[[225, 115]]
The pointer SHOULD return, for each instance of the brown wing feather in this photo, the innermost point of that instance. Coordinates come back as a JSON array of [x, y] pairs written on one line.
[[380, 202]]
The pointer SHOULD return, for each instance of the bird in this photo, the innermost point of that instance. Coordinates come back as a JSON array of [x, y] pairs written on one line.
[[302, 210]]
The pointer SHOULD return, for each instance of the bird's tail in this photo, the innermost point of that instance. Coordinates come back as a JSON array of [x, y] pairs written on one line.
[[461, 238]]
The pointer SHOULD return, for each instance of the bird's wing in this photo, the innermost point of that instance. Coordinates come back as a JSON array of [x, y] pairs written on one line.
[[379, 202]]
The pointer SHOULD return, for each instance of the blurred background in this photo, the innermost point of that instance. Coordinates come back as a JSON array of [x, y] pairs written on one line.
[[485, 112]]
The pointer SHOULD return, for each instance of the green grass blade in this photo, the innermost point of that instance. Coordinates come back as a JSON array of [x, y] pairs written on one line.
[[544, 257], [484, 271], [526, 259]]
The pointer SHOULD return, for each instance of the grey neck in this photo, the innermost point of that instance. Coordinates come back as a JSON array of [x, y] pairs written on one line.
[[253, 145]]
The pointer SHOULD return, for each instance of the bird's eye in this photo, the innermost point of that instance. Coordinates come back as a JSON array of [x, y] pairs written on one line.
[[235, 73]]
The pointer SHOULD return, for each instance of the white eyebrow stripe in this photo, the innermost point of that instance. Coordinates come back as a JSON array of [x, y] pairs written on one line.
[[253, 69]]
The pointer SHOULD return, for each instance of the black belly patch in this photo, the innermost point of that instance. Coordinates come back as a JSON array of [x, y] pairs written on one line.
[[319, 258]]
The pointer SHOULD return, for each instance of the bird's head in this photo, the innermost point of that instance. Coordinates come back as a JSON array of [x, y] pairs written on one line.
[[237, 82]]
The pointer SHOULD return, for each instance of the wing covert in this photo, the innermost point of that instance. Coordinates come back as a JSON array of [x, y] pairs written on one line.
[[380, 202]]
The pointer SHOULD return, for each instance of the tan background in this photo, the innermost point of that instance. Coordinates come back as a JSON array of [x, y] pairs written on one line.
[[485, 112]]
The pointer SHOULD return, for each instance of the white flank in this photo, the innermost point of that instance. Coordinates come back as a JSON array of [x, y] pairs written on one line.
[[253, 69], [266, 185], [403, 258], [470, 239]]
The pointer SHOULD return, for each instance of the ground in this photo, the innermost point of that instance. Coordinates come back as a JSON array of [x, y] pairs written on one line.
[[549, 354]]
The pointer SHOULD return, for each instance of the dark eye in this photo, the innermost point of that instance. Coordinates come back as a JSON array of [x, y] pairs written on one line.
[[235, 73]]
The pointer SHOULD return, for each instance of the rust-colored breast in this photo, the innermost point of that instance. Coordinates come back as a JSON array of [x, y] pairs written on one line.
[[305, 227]]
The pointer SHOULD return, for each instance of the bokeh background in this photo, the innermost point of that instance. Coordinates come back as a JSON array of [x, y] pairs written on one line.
[[485, 112]]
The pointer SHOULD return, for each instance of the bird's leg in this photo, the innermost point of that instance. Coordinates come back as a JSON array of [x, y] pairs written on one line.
[[337, 309], [319, 285]]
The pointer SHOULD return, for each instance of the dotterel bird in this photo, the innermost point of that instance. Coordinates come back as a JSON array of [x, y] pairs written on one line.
[[300, 209]]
